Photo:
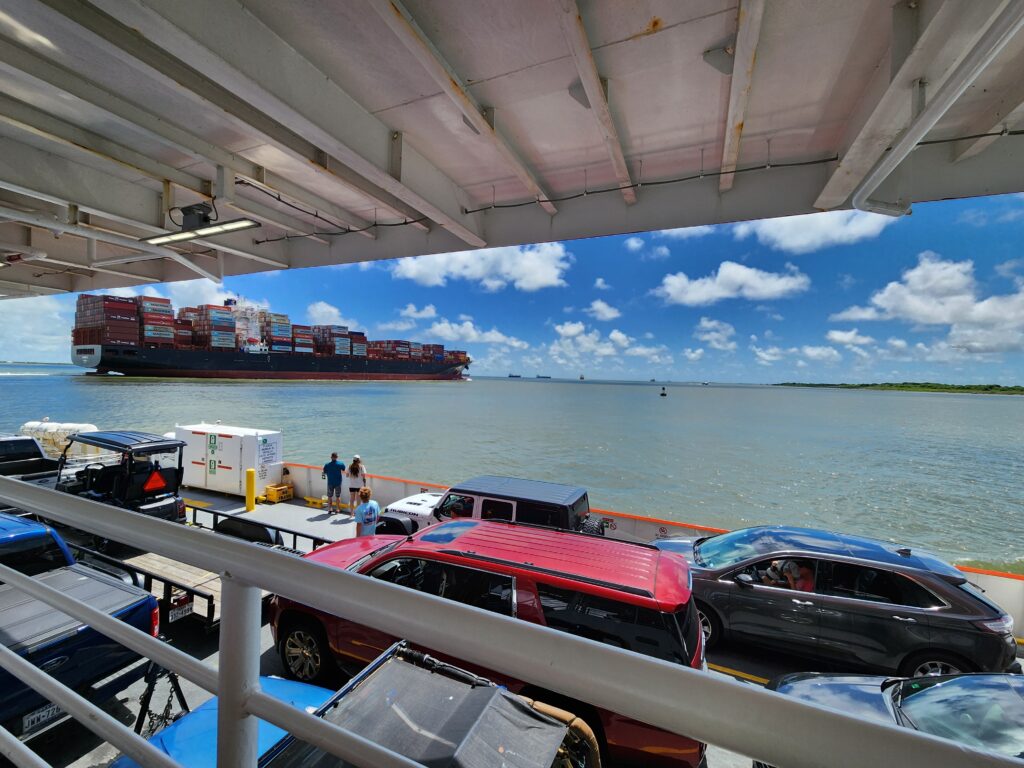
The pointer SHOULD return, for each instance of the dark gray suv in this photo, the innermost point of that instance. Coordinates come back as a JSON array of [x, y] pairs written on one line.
[[853, 601]]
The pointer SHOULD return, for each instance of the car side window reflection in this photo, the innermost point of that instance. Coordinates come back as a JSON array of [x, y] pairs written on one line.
[[878, 585], [480, 589]]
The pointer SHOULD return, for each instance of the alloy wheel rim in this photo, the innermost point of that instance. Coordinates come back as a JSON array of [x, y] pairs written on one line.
[[302, 654], [935, 668]]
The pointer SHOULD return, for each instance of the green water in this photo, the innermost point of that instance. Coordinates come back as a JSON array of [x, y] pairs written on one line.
[[935, 470]]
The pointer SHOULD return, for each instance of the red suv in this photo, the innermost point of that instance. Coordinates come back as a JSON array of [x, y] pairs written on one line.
[[631, 596]]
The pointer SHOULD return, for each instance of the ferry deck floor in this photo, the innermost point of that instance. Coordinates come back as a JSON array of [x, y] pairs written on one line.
[[70, 744]]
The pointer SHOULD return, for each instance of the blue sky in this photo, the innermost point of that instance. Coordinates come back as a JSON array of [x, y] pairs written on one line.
[[836, 297]]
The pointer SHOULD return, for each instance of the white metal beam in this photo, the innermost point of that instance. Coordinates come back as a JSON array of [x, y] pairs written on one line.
[[26, 118], [748, 21], [887, 106], [408, 32], [575, 35], [1007, 112], [18, 59], [14, 289], [318, 124]]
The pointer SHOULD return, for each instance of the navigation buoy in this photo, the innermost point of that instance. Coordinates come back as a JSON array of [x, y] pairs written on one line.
[[663, 392]]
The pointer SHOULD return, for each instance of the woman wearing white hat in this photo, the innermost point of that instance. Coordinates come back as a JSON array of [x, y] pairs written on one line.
[[356, 480]]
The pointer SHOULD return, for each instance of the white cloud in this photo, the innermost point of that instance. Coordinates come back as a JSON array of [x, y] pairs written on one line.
[[769, 355], [526, 267], [397, 325], [859, 352], [466, 317], [191, 293], [568, 330], [652, 354], [821, 354], [648, 335], [717, 334], [601, 310], [801, 364], [633, 244], [426, 313], [851, 337], [898, 344], [855, 314], [36, 329], [619, 339], [938, 292], [732, 281], [657, 253], [601, 285], [685, 233], [470, 333], [813, 231], [127, 292], [693, 355], [322, 313]]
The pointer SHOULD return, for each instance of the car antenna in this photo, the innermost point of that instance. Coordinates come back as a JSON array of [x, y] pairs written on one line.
[[903, 551]]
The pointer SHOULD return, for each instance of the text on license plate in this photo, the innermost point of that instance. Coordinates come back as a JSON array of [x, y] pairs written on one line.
[[40, 717], [179, 612]]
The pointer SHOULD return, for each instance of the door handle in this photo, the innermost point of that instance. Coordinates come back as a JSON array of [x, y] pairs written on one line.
[[802, 602], [906, 619]]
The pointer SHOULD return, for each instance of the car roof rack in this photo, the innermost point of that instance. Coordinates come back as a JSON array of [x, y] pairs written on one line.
[[556, 529]]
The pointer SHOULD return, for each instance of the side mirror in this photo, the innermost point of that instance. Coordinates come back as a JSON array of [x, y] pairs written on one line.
[[744, 579]]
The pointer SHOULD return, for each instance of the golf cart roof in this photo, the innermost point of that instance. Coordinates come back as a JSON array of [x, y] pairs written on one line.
[[129, 442]]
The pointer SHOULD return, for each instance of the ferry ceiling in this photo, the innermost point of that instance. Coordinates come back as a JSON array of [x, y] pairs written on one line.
[[370, 129]]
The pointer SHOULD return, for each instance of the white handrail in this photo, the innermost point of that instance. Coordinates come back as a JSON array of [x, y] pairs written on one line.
[[742, 718]]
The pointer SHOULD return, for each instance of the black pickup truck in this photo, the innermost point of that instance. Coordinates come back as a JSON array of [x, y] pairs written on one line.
[[77, 656], [145, 477]]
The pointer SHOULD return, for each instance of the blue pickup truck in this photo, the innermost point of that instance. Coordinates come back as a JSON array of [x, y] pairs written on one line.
[[76, 655]]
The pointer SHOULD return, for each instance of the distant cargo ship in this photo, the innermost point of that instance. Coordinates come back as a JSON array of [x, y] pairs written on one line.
[[141, 336]]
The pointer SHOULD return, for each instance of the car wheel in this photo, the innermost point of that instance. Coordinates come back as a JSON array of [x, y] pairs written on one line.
[[305, 652], [710, 624], [933, 663]]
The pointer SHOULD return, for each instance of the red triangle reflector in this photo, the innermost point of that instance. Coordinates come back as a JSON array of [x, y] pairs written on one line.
[[155, 482]]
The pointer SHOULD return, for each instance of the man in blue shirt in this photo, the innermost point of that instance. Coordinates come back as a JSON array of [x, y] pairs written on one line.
[[333, 472]]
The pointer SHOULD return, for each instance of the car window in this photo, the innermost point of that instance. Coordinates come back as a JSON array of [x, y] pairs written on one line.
[[493, 509], [18, 450], [732, 548], [538, 514], [798, 573], [33, 556], [613, 622], [879, 585], [455, 505], [469, 586]]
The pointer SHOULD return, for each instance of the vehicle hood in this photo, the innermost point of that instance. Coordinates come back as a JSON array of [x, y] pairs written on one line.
[[192, 740], [420, 505], [856, 695]]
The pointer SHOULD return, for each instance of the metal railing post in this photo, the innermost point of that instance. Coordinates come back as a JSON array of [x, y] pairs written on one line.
[[238, 673]]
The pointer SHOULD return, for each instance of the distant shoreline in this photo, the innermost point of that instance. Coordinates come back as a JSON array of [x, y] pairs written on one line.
[[919, 386]]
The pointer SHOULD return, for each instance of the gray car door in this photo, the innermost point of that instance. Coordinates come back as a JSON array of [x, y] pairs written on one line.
[[774, 615], [872, 617]]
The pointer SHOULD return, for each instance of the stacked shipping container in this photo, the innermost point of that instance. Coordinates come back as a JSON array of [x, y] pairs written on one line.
[[302, 339], [111, 320], [214, 327], [332, 340], [156, 322], [277, 331]]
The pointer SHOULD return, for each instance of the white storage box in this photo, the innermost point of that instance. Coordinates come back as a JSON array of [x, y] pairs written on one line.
[[217, 456]]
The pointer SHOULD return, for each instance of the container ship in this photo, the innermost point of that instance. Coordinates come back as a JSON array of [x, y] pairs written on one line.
[[143, 336]]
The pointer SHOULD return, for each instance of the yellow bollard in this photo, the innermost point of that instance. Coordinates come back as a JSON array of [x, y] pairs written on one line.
[[250, 490]]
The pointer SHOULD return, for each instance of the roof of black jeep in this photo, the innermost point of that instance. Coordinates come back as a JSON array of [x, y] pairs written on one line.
[[517, 488], [135, 442]]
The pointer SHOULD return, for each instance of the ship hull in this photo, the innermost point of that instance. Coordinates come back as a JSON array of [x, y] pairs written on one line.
[[231, 364]]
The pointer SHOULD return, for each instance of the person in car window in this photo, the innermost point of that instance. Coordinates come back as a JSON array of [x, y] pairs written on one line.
[[590, 524], [790, 574]]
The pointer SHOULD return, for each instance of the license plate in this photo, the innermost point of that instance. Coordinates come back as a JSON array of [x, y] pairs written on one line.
[[179, 612], [40, 717]]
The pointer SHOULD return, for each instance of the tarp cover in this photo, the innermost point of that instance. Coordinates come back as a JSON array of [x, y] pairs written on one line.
[[438, 721]]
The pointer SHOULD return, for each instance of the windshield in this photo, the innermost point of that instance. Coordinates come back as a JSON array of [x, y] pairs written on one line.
[[982, 711], [729, 549]]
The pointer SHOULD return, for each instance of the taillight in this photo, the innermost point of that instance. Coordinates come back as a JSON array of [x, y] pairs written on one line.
[[1001, 626], [154, 622], [181, 510]]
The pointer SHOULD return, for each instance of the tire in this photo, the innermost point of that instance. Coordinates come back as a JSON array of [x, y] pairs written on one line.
[[934, 663], [305, 652], [710, 624]]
